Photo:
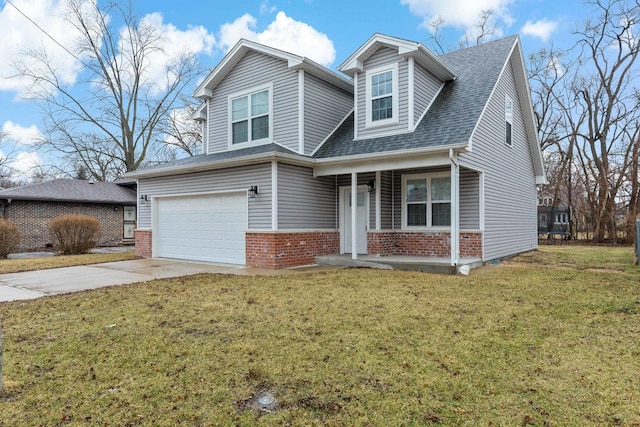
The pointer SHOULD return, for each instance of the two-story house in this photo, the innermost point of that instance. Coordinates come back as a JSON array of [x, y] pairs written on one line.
[[411, 154]]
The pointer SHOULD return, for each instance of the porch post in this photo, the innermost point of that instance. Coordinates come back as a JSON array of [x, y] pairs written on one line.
[[455, 211], [378, 198], [354, 216]]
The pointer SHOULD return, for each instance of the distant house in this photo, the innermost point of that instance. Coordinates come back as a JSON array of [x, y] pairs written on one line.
[[32, 208], [554, 216], [408, 154]]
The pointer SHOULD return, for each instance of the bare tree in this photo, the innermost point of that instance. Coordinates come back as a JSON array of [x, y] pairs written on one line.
[[605, 93], [484, 29], [587, 109], [182, 132], [108, 120]]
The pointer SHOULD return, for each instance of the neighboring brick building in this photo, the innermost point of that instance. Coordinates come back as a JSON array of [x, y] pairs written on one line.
[[32, 208]]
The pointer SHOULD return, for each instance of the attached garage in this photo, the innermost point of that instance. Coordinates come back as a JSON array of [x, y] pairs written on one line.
[[208, 227]]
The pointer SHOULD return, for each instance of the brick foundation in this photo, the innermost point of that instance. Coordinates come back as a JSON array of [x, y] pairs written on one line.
[[425, 244], [274, 250], [143, 243], [470, 245]]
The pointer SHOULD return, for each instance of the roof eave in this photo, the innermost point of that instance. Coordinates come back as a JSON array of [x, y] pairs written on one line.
[[386, 160], [428, 59], [221, 164], [204, 90]]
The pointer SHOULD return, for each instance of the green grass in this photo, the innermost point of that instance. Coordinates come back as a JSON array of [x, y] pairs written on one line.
[[32, 264], [550, 338]]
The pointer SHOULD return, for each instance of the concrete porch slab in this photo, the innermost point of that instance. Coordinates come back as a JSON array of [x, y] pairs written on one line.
[[399, 262]]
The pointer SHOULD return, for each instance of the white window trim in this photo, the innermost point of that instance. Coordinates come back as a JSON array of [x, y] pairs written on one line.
[[508, 118], [247, 92], [428, 177], [395, 118]]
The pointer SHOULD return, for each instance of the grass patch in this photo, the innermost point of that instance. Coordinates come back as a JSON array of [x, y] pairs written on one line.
[[510, 344], [44, 263]]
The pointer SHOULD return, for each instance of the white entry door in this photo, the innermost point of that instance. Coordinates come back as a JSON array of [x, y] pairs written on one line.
[[362, 210]]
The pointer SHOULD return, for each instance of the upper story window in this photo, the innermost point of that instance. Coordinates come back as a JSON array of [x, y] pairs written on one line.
[[250, 116], [382, 96], [426, 201], [508, 119]]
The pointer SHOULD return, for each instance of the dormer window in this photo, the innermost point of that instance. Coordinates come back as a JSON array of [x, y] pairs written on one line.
[[382, 96], [250, 117]]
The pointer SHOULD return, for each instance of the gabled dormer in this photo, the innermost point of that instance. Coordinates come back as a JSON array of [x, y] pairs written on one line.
[[259, 95], [395, 82]]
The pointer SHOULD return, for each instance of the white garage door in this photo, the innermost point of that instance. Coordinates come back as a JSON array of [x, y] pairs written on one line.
[[202, 228]]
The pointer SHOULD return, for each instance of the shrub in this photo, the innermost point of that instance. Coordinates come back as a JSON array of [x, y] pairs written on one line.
[[74, 234], [9, 237]]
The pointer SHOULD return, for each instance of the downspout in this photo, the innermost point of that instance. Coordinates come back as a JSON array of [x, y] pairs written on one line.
[[455, 211]]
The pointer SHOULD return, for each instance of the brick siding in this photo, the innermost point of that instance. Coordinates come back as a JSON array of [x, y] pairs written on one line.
[[470, 245], [143, 243], [426, 244], [274, 250], [33, 218]]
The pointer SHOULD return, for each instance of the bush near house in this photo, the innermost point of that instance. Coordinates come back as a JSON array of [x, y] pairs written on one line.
[[9, 237], [74, 234]]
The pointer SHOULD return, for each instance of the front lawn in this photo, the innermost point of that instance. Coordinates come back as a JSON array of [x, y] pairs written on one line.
[[57, 261], [550, 338]]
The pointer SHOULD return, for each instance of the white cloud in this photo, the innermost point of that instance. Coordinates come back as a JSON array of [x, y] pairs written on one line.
[[21, 135], [266, 8], [283, 33], [461, 14], [542, 29], [24, 165], [19, 35], [175, 44]]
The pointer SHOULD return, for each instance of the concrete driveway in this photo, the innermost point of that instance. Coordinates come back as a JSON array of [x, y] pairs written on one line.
[[35, 284]]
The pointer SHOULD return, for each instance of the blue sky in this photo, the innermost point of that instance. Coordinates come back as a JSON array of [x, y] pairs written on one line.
[[327, 31]]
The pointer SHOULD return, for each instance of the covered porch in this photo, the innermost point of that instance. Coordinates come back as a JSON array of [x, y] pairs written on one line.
[[421, 213]]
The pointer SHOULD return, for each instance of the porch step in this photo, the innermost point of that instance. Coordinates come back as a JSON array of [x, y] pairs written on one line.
[[424, 264]]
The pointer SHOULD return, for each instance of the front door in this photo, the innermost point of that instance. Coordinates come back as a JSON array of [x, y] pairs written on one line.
[[361, 213]]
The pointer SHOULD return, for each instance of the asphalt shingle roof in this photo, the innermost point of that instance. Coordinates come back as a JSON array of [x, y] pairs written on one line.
[[450, 120], [224, 155], [452, 117], [72, 190]]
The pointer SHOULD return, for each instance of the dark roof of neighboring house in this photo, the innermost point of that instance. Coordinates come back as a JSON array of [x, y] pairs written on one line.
[[452, 117], [72, 190]]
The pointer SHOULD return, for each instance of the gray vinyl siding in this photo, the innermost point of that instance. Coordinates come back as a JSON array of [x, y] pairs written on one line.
[[384, 56], [305, 202], [386, 200], [426, 87], [213, 181], [253, 70], [469, 200], [509, 177], [325, 106]]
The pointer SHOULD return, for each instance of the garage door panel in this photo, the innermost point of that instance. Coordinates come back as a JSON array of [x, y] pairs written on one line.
[[203, 228]]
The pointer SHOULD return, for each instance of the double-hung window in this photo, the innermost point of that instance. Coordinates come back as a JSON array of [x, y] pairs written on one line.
[[250, 114], [426, 201], [382, 96]]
